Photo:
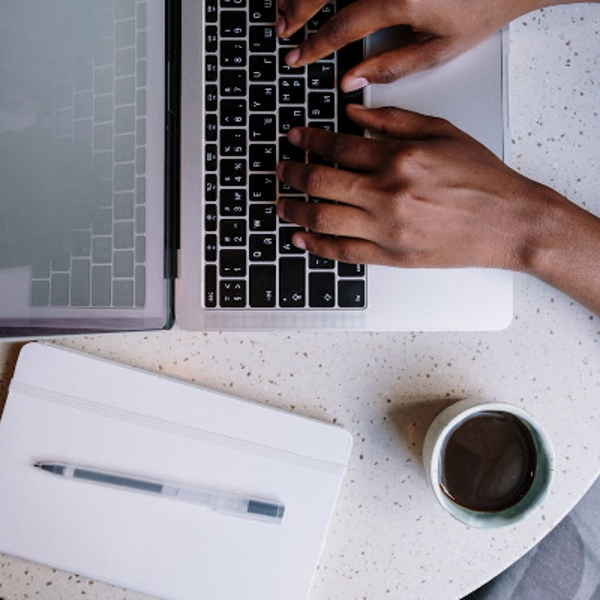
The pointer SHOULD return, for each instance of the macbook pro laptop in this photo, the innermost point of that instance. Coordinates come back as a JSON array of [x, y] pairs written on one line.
[[138, 145]]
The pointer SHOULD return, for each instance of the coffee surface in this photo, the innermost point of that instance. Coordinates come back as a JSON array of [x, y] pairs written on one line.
[[488, 462]]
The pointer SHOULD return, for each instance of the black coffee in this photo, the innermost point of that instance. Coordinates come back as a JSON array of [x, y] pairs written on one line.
[[488, 462]]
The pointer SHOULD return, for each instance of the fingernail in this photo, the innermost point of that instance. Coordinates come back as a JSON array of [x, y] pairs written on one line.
[[355, 83], [294, 136], [299, 242], [280, 26], [292, 57], [279, 210]]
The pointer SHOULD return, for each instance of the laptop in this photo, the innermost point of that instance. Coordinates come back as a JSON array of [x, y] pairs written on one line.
[[138, 144]]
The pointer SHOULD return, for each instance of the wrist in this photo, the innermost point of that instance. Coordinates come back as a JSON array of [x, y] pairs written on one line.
[[557, 239]]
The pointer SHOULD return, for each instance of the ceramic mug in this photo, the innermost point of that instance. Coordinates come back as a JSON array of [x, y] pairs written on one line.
[[446, 423]]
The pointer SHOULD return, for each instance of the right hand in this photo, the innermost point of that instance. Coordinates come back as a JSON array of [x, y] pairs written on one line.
[[440, 30]]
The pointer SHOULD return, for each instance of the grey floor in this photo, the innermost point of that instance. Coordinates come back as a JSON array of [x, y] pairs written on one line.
[[565, 565]]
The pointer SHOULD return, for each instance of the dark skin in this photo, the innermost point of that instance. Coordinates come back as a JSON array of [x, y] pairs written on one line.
[[424, 193]]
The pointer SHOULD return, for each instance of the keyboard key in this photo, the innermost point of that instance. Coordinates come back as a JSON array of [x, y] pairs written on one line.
[[317, 262], [210, 157], [210, 217], [210, 286], [348, 270], [232, 203], [321, 290], [211, 13], [211, 38], [80, 282], [351, 293], [102, 250], [321, 105], [211, 67], [262, 157], [232, 294], [233, 3], [59, 289], [233, 53], [262, 188], [123, 292], [210, 187], [101, 286], [233, 142], [317, 20], [233, 113], [288, 151], [123, 234], [123, 263], [262, 286], [212, 98], [233, 24], [263, 128], [262, 68], [140, 286], [211, 127], [291, 90], [263, 11], [262, 248], [233, 82], [263, 217], [296, 39], [291, 117], [321, 75], [292, 284], [233, 172], [210, 247], [263, 39], [232, 232], [285, 240], [262, 98], [232, 263], [284, 68]]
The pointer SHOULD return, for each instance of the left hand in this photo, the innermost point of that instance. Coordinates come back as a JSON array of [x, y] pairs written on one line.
[[427, 195]]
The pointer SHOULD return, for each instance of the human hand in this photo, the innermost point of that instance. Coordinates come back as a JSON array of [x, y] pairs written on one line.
[[439, 30], [425, 195]]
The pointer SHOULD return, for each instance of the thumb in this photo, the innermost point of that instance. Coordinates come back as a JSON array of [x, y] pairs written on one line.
[[396, 64]]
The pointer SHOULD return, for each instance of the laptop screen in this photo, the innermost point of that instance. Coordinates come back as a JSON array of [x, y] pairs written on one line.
[[82, 155]]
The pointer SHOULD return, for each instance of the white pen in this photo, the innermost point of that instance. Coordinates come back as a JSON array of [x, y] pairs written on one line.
[[236, 505]]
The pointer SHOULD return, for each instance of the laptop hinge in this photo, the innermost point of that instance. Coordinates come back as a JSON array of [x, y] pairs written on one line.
[[172, 107]]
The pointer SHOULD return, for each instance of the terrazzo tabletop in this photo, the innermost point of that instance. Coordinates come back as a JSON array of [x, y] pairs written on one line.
[[388, 537]]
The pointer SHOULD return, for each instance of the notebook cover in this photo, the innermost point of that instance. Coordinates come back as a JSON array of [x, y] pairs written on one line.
[[69, 407]]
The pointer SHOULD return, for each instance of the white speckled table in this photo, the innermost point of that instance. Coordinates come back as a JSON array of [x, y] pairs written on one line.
[[388, 538]]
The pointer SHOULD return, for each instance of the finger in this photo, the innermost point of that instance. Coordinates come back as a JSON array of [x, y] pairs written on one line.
[[351, 23], [324, 182], [400, 123], [343, 249], [396, 64], [295, 14], [322, 217], [349, 151]]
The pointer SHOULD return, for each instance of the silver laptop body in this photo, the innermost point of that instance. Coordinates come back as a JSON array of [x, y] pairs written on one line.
[[102, 160]]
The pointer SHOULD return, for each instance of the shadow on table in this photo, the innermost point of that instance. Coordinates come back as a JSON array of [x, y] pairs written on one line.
[[11, 354], [411, 422]]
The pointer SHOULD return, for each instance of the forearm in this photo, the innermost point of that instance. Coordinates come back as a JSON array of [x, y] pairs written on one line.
[[565, 250]]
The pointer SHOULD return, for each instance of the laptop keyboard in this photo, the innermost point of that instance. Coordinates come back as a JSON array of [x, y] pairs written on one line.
[[252, 99], [100, 123]]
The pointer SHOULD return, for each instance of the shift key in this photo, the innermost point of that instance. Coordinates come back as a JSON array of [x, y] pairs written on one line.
[[292, 282], [262, 286]]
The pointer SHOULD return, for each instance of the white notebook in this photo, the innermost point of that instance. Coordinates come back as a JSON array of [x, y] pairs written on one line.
[[64, 406]]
